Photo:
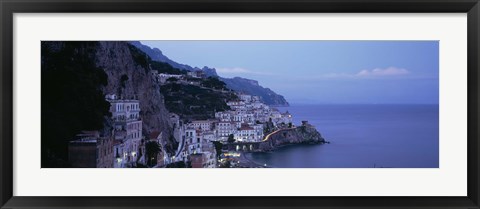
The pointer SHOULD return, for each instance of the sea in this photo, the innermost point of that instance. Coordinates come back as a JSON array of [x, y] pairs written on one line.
[[362, 136]]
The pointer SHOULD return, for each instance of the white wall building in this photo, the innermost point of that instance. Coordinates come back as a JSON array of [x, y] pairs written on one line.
[[224, 129], [128, 130], [202, 124]]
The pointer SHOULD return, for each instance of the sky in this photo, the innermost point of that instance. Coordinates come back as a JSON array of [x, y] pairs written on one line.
[[323, 72]]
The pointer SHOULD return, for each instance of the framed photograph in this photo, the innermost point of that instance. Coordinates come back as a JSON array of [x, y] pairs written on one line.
[[237, 104]]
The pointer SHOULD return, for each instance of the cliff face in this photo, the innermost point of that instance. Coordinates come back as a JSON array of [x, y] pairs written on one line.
[[130, 79], [305, 134]]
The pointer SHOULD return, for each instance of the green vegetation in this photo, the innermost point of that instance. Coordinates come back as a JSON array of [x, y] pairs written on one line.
[[188, 101], [194, 102], [162, 67], [172, 79], [140, 57], [214, 83], [147, 63], [194, 79], [268, 127], [152, 149], [72, 99], [230, 139], [218, 147]]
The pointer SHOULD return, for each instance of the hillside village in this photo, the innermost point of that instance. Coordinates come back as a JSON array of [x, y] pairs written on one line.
[[246, 120]]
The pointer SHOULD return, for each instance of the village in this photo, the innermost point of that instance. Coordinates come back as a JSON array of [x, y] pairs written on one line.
[[249, 120]]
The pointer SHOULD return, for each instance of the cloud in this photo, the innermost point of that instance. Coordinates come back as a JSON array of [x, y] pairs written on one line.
[[374, 73], [391, 71]]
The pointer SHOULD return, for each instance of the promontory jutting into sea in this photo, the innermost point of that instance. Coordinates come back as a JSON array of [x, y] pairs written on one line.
[[117, 104]]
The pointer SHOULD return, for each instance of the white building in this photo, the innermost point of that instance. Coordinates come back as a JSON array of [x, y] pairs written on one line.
[[192, 142], [224, 116], [247, 134], [224, 129], [128, 130], [202, 124], [245, 97]]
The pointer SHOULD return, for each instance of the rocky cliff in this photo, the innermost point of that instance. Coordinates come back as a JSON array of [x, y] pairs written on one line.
[[305, 134], [129, 77], [121, 59]]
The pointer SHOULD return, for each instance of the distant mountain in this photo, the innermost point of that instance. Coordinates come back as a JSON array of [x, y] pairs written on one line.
[[157, 55], [252, 87], [237, 83]]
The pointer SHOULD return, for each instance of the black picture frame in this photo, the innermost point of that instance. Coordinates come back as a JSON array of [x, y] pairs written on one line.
[[9, 7]]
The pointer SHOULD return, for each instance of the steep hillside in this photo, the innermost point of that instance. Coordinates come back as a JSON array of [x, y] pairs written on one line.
[[127, 72], [237, 84], [120, 58], [252, 87], [193, 102]]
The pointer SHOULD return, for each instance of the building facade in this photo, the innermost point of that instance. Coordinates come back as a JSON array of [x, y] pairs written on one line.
[[129, 148]]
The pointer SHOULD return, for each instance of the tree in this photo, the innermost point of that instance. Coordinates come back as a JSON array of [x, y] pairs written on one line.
[[290, 125], [172, 79], [230, 138], [218, 147], [152, 149], [162, 67], [213, 82]]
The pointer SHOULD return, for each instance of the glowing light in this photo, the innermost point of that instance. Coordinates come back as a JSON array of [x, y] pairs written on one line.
[[231, 154]]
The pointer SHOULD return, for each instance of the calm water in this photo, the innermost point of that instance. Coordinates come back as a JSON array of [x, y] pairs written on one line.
[[362, 136]]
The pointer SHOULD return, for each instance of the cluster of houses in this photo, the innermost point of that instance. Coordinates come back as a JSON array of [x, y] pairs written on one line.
[[244, 122], [246, 119], [125, 146]]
